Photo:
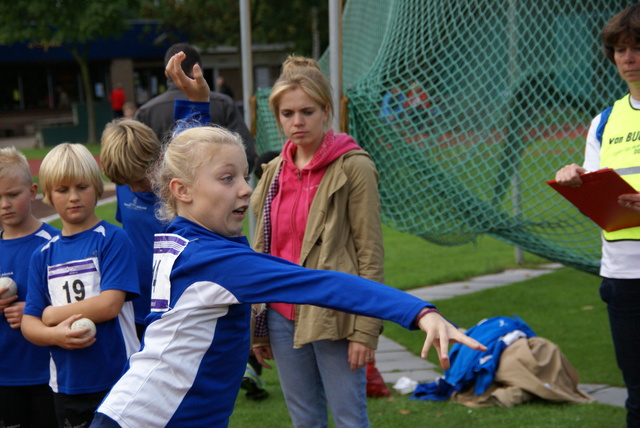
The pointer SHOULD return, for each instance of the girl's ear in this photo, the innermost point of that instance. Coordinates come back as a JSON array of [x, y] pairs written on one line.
[[325, 118], [180, 191]]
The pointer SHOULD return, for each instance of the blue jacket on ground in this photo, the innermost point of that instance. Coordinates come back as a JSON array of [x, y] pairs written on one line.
[[469, 367]]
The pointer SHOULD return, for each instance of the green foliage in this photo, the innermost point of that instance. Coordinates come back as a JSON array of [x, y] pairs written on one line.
[[46, 23], [210, 24]]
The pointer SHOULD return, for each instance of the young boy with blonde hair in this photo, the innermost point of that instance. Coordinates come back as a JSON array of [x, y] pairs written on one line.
[[129, 149], [86, 271], [26, 399]]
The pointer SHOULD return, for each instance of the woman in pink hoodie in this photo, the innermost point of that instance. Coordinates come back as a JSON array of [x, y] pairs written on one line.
[[317, 205]]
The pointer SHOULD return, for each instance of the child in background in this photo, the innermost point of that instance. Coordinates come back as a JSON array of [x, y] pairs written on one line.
[[129, 109], [206, 276], [86, 271], [129, 149], [26, 399]]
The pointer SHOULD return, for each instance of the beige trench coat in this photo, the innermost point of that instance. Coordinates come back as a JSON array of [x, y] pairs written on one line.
[[343, 234]]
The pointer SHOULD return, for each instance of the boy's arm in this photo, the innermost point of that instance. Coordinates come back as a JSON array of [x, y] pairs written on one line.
[[5, 303], [103, 307], [61, 335]]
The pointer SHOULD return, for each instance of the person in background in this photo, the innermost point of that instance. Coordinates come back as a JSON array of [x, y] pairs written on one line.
[[88, 270], [129, 109], [63, 98], [417, 104], [619, 269], [157, 113], [26, 400], [117, 98], [223, 88], [317, 205]]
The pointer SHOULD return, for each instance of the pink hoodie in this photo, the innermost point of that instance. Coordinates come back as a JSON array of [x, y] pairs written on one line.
[[292, 203]]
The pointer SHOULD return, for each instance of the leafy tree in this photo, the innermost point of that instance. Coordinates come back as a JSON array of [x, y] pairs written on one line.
[[73, 24], [210, 23]]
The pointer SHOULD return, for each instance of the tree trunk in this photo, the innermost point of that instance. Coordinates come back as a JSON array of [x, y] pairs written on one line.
[[83, 62]]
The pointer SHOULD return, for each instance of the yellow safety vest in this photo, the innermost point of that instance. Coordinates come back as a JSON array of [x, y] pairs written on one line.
[[620, 150]]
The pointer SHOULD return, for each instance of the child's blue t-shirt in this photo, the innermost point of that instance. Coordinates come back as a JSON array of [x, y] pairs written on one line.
[[21, 363], [73, 268], [136, 212]]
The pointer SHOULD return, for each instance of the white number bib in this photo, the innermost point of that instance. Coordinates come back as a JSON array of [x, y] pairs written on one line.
[[73, 281], [166, 249]]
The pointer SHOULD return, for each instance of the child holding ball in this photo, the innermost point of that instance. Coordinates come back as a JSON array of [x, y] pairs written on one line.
[[87, 271], [206, 277], [26, 399]]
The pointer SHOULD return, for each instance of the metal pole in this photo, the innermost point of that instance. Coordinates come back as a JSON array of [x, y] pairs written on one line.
[[247, 65], [247, 82], [515, 180], [335, 54]]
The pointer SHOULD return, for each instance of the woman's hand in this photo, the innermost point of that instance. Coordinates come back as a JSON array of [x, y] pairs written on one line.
[[569, 175], [440, 333], [631, 201], [359, 355], [263, 353], [196, 88]]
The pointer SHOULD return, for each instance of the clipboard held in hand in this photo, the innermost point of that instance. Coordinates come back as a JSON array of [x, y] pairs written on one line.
[[597, 198]]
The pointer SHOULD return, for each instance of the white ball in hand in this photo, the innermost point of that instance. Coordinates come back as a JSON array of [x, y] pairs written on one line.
[[10, 285], [84, 323]]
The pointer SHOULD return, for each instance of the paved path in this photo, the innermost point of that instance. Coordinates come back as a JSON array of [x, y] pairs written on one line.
[[394, 361]]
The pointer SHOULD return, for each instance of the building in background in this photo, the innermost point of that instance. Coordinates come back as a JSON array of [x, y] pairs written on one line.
[[40, 86]]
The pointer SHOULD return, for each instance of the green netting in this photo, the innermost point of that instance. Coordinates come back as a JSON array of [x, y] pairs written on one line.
[[511, 88]]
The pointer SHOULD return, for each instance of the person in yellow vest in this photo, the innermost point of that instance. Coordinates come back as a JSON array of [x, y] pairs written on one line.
[[613, 141]]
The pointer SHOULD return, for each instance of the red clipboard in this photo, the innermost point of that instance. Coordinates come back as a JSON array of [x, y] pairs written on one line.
[[597, 198]]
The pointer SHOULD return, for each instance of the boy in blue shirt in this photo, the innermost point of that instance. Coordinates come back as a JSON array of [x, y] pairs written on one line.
[[128, 149], [86, 271], [26, 399]]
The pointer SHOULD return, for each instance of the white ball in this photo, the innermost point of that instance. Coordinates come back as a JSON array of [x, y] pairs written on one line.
[[84, 323], [10, 284]]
